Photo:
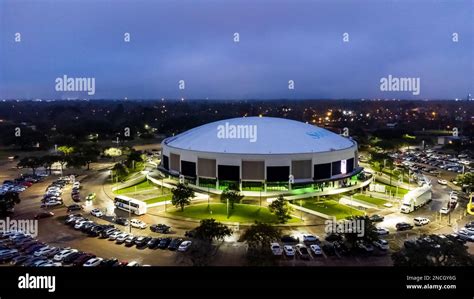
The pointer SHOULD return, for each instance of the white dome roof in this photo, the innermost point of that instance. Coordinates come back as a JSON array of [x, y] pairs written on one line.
[[259, 135]]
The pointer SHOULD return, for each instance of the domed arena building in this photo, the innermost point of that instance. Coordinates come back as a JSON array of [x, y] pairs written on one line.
[[262, 154]]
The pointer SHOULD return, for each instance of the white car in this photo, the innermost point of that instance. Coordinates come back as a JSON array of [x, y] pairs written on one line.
[[289, 250], [93, 262], [81, 224], [381, 244], [114, 235], [121, 238], [97, 213], [184, 246], [44, 251], [63, 254], [442, 182], [133, 264], [315, 249], [76, 185], [138, 223], [420, 221], [39, 251], [276, 249], [444, 210]]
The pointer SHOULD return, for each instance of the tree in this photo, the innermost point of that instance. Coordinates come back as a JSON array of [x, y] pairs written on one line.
[[210, 230], [369, 231], [66, 150], [380, 160], [89, 152], [134, 156], [182, 195], [258, 237], [30, 162], [466, 180], [281, 208], [233, 196], [120, 171], [8, 201], [113, 152], [76, 161], [48, 162], [424, 252]]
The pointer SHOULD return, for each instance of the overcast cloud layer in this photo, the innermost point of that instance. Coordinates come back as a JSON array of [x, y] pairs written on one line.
[[279, 41]]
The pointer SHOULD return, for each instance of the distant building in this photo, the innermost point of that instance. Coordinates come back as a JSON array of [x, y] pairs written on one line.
[[391, 125], [442, 140]]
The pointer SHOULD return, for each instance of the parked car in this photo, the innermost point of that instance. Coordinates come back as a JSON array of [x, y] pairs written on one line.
[[184, 246], [97, 213], [83, 258], [310, 239], [130, 240], [174, 244], [93, 262], [153, 243], [120, 220], [164, 243], [376, 218], [74, 207], [465, 235], [401, 226], [276, 249], [444, 211], [381, 244], [142, 241], [382, 231], [420, 221], [315, 249], [42, 215], [289, 250], [109, 262], [113, 236], [302, 251], [162, 229], [120, 239], [138, 223], [63, 254]]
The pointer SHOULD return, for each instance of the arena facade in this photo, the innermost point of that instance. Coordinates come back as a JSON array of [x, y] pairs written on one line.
[[260, 154]]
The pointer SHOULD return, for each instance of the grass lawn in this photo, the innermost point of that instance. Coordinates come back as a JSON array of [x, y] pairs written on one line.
[[333, 208], [393, 189], [372, 200], [145, 185], [240, 213], [159, 198]]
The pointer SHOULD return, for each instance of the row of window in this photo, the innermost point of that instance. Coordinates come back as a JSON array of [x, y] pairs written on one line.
[[273, 173]]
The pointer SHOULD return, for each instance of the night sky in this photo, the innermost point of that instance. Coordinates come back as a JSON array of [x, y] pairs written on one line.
[[193, 41]]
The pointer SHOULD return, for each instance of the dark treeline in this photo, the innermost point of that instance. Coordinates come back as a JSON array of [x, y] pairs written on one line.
[[65, 122]]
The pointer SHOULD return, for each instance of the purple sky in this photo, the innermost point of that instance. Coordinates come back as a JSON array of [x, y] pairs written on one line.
[[279, 41]]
